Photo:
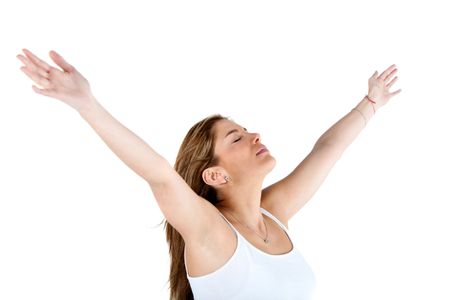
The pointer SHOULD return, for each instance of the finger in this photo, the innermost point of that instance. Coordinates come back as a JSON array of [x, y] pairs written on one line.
[[386, 72], [36, 60], [390, 75], [392, 82], [374, 74], [396, 92], [36, 77], [44, 92], [59, 60], [32, 66]]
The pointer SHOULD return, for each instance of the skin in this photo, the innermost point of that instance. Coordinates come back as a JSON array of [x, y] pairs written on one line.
[[238, 160], [67, 84], [243, 195]]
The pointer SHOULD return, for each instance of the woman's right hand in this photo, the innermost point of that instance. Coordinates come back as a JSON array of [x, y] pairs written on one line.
[[67, 85]]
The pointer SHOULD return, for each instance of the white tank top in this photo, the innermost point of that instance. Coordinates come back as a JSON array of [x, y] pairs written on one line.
[[253, 274]]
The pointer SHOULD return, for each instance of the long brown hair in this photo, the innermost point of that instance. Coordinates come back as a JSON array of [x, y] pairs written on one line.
[[195, 155]]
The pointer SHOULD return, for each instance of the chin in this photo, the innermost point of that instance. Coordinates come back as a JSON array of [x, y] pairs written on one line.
[[271, 164]]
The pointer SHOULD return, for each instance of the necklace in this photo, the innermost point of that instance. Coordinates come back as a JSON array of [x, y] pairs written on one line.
[[266, 240]]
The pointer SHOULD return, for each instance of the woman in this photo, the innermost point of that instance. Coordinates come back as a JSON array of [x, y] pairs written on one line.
[[228, 237]]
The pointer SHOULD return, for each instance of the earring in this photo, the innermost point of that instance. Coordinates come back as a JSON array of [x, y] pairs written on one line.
[[227, 178]]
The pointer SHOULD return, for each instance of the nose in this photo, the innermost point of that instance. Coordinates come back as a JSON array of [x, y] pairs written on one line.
[[256, 138]]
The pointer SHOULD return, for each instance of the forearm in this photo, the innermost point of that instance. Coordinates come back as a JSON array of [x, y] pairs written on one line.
[[343, 132], [130, 148]]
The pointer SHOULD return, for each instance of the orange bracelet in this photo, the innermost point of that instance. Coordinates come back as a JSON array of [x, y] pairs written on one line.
[[373, 106]]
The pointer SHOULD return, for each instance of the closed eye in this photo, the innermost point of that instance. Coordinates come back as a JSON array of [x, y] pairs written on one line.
[[237, 140]]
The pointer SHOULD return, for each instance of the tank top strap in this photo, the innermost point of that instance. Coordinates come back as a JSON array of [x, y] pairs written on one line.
[[231, 225], [267, 213], [273, 218]]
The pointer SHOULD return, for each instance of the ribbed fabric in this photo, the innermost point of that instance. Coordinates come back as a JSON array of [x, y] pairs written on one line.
[[253, 274]]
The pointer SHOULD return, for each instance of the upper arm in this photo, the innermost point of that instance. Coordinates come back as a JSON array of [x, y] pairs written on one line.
[[191, 215], [287, 196]]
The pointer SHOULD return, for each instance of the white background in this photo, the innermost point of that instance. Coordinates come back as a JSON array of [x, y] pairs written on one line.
[[77, 223]]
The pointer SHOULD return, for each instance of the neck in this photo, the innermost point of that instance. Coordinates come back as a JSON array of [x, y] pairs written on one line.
[[242, 202]]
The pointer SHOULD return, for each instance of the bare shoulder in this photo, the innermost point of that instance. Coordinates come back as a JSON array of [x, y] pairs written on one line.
[[215, 247], [214, 230], [268, 202]]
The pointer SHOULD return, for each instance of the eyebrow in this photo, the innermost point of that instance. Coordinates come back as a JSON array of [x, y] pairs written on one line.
[[233, 131]]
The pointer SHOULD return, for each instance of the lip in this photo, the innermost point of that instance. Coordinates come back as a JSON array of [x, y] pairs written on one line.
[[261, 150]]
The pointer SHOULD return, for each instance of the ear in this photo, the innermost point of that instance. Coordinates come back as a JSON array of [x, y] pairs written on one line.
[[214, 176]]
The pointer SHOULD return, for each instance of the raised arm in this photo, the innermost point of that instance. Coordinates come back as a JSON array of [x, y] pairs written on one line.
[[72, 88], [286, 197], [190, 214]]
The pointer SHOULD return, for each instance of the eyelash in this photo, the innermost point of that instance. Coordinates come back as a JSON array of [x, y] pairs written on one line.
[[237, 140]]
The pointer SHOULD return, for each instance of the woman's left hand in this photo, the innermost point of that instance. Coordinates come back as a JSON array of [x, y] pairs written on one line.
[[379, 86]]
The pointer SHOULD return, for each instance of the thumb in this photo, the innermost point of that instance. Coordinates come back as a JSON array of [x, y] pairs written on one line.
[[59, 60], [374, 74]]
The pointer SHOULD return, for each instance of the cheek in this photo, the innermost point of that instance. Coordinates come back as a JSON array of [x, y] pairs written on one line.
[[235, 157], [240, 153]]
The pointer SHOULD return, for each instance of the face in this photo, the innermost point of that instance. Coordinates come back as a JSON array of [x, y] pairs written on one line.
[[240, 152]]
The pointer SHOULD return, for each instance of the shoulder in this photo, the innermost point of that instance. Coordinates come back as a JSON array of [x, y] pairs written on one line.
[[273, 211]]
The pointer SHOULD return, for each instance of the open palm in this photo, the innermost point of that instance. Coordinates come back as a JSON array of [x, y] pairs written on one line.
[[67, 85], [379, 86]]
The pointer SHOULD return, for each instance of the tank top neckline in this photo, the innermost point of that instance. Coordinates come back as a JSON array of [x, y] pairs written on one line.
[[239, 244], [255, 248]]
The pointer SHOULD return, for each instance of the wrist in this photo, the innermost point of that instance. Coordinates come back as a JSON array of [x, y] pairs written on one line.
[[366, 108], [373, 102], [89, 107]]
